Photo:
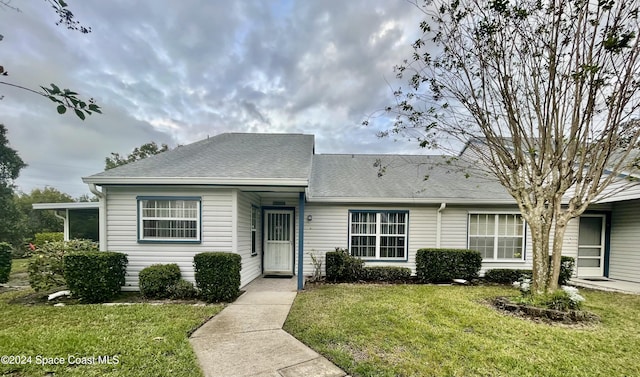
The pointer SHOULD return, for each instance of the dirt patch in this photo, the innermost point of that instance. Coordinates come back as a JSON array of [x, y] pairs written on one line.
[[571, 318]]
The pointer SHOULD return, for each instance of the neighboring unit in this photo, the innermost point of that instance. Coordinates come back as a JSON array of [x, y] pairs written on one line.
[[271, 199]]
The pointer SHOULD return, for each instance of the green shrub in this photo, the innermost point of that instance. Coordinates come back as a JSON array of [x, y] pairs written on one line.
[[46, 270], [444, 265], [183, 290], [218, 276], [156, 280], [386, 274], [566, 269], [342, 267], [5, 262], [42, 238], [95, 276], [506, 275]]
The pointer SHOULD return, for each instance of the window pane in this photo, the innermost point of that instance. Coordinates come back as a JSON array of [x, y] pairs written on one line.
[[392, 247], [363, 246], [590, 231], [509, 248], [482, 244]]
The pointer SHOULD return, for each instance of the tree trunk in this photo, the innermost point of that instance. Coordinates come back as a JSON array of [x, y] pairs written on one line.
[[540, 232], [556, 257]]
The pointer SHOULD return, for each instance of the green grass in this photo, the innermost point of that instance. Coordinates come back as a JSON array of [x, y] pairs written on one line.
[[424, 330], [148, 340], [19, 266]]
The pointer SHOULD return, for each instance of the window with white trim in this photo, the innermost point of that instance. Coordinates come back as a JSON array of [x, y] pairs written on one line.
[[378, 235], [497, 236], [169, 219]]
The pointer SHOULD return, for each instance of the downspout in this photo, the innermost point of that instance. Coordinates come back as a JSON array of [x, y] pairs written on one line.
[[65, 220], [439, 224], [102, 211]]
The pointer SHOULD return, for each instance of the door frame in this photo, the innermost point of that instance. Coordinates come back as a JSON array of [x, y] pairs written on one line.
[[606, 240], [293, 236]]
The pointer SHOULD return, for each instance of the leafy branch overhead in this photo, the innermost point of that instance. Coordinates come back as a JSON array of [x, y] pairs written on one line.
[[68, 99], [65, 99]]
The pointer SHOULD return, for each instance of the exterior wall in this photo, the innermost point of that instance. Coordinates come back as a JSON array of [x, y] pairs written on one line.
[[329, 229], [216, 223], [251, 264], [624, 259]]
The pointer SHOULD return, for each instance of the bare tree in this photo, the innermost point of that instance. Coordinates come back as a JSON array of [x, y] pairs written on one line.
[[546, 91]]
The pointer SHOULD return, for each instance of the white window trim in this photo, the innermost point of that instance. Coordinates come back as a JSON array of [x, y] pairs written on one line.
[[142, 218], [379, 235], [495, 236]]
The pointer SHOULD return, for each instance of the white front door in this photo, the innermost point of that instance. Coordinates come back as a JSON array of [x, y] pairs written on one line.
[[591, 243], [278, 241]]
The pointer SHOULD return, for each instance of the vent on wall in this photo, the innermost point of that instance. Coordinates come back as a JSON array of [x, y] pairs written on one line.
[[279, 203]]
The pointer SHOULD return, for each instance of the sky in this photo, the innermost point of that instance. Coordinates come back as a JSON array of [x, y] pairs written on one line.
[[178, 72]]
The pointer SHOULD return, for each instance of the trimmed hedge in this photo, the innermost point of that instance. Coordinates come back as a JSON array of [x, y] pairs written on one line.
[[156, 280], [444, 265], [506, 275], [95, 276], [386, 274], [218, 276], [342, 267], [5, 262]]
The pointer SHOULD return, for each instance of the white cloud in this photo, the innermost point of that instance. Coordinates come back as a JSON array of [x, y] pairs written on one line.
[[177, 74]]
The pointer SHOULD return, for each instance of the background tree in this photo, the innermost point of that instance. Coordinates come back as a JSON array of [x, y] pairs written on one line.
[[547, 93], [12, 221], [144, 151], [63, 98], [39, 221]]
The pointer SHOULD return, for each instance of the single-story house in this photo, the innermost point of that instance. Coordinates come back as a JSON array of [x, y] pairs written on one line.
[[274, 201]]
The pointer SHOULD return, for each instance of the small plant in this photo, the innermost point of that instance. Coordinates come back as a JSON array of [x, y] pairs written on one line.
[[46, 270], [156, 280], [316, 262], [183, 290], [564, 299]]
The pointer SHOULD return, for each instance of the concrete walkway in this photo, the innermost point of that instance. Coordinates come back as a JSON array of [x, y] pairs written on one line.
[[246, 338], [608, 285]]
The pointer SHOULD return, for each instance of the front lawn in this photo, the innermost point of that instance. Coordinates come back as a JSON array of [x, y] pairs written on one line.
[[426, 330], [138, 340]]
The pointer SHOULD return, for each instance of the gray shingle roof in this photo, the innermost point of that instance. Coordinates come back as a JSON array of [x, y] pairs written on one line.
[[230, 156], [421, 178]]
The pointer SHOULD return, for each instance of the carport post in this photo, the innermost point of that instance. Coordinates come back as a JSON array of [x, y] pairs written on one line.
[[300, 241]]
